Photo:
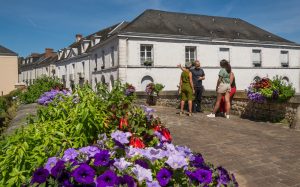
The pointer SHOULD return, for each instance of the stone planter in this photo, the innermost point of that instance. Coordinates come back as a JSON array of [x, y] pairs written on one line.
[[152, 100]]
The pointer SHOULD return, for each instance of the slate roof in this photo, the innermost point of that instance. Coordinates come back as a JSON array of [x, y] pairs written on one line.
[[173, 23], [7, 52]]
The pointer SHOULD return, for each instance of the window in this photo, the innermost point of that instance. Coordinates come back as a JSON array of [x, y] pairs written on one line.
[[146, 55], [103, 60], [112, 56], [256, 57], [190, 54], [96, 63], [224, 54], [284, 58]]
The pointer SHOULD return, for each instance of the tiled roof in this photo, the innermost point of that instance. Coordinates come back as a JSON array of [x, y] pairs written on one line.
[[173, 23], [7, 52]]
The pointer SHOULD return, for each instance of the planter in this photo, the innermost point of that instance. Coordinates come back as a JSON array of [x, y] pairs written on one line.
[[152, 100]]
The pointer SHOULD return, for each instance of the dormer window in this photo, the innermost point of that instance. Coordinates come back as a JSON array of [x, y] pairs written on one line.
[[60, 53], [84, 45], [67, 52]]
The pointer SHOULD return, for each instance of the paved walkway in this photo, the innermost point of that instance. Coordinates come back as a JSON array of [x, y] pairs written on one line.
[[20, 119], [259, 154]]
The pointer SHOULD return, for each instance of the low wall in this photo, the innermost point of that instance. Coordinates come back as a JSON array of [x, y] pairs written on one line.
[[273, 112]]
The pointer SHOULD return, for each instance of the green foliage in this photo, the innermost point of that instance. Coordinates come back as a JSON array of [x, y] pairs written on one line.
[[40, 86], [8, 106], [286, 90], [158, 87], [73, 121]]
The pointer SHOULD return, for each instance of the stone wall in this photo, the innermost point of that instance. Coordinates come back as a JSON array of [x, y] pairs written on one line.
[[241, 106]]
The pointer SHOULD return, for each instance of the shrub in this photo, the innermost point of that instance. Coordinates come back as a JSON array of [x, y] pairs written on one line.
[[41, 85], [73, 121]]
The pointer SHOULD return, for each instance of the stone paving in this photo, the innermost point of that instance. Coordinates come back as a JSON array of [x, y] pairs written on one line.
[[259, 154], [20, 119]]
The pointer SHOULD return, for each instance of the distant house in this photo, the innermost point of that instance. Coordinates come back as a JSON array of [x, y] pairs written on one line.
[[36, 65], [8, 70], [148, 49]]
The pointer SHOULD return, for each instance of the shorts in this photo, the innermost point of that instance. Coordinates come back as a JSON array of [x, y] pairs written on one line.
[[223, 88]]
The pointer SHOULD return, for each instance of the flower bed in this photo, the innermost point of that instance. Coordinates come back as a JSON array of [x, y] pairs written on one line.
[[117, 161], [133, 147], [265, 89]]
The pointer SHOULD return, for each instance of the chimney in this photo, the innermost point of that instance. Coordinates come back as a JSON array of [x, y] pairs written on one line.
[[78, 37], [48, 52]]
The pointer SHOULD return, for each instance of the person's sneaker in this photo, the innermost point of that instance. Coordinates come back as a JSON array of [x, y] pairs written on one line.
[[227, 116], [181, 113], [211, 115], [189, 114]]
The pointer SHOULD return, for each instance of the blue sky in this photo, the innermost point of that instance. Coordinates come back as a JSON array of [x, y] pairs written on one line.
[[32, 25]]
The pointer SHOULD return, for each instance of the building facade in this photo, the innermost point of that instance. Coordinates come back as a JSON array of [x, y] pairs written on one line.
[[149, 48], [37, 65], [8, 70]]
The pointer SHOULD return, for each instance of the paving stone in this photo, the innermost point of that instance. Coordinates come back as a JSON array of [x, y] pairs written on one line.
[[260, 154]]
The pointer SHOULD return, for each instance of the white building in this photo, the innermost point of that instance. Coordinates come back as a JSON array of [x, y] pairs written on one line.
[[149, 48], [36, 65]]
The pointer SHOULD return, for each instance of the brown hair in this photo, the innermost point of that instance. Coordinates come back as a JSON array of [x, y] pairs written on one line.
[[225, 64]]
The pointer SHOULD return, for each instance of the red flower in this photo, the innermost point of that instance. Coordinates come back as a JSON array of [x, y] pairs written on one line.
[[156, 128], [123, 122], [166, 133], [136, 142]]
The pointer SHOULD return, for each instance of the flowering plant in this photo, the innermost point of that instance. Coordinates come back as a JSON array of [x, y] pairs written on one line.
[[130, 89], [154, 89], [272, 90], [113, 162], [48, 97]]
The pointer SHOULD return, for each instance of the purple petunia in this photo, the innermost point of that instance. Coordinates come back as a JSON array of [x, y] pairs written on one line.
[[152, 184], [164, 176], [108, 178], [127, 180], [40, 176], [153, 154], [121, 164], [142, 163], [121, 137], [203, 176], [84, 174], [51, 162], [223, 176], [102, 158], [197, 160], [142, 173], [58, 168], [176, 161], [91, 151], [70, 154]]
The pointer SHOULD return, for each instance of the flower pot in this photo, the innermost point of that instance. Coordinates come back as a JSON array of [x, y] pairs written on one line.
[[152, 100]]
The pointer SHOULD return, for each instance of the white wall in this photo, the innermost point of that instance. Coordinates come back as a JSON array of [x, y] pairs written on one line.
[[110, 71], [66, 68], [168, 54]]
